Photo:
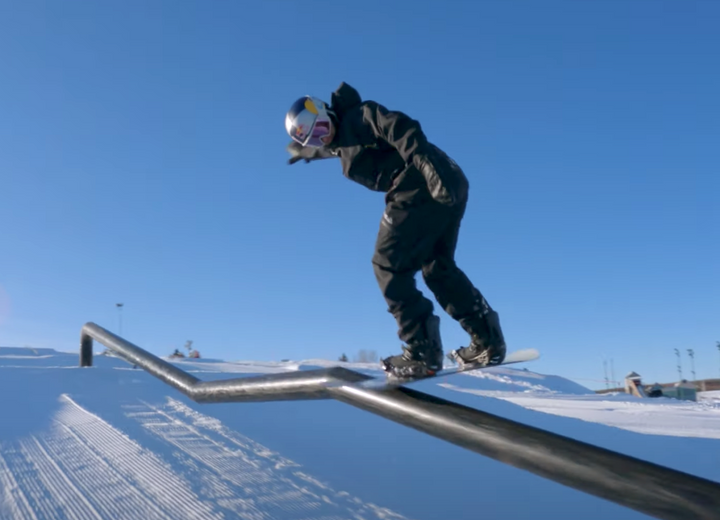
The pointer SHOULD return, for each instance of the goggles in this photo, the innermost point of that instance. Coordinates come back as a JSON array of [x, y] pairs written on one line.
[[307, 122]]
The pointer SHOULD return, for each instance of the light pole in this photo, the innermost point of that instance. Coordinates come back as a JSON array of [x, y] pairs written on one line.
[[119, 307], [718, 345], [605, 369], [679, 365], [691, 353]]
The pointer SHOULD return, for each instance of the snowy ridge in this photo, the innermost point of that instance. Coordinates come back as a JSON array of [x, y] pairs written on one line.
[[518, 380], [23, 352], [228, 367]]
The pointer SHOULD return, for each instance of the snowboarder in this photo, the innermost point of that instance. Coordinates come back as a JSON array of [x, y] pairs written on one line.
[[426, 196]]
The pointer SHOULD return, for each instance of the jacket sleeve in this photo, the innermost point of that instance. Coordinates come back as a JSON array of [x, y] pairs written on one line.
[[406, 136]]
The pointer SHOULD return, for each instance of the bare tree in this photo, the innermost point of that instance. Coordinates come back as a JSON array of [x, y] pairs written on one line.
[[366, 356]]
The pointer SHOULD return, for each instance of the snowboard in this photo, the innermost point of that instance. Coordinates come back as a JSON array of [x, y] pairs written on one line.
[[518, 356]]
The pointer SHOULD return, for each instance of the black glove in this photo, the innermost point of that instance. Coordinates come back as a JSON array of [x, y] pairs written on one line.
[[296, 152], [299, 152]]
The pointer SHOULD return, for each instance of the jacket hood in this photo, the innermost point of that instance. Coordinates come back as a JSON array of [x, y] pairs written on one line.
[[344, 98]]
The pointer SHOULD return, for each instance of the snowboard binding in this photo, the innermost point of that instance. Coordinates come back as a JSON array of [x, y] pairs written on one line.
[[413, 371]]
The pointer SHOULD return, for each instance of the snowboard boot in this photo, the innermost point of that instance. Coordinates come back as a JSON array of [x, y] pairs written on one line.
[[487, 344], [420, 358]]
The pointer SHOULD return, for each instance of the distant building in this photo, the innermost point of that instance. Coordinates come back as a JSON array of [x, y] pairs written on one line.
[[683, 390], [669, 389], [656, 390], [633, 385]]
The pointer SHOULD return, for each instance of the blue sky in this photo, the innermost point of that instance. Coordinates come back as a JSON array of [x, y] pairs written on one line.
[[143, 161]]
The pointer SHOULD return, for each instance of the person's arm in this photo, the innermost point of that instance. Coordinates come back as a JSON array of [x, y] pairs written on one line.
[[406, 136]]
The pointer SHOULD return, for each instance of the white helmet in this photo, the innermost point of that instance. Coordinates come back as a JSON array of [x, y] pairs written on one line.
[[308, 122]]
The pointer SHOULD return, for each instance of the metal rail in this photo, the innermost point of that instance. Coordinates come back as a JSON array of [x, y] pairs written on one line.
[[634, 483]]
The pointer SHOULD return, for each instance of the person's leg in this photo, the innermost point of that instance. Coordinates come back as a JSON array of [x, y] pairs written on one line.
[[409, 230], [449, 284], [462, 300]]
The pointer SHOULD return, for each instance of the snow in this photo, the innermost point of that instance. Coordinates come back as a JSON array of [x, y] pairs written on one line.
[[713, 395], [661, 416], [113, 442]]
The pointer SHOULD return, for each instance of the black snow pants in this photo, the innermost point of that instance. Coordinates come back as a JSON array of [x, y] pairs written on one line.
[[419, 234]]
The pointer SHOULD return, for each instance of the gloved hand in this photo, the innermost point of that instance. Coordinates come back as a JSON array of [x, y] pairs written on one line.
[[305, 153], [296, 152]]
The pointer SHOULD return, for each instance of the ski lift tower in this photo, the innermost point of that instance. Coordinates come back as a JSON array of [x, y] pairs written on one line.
[[691, 353], [679, 365], [119, 308]]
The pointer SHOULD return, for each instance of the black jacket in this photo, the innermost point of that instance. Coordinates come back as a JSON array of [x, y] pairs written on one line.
[[385, 150]]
